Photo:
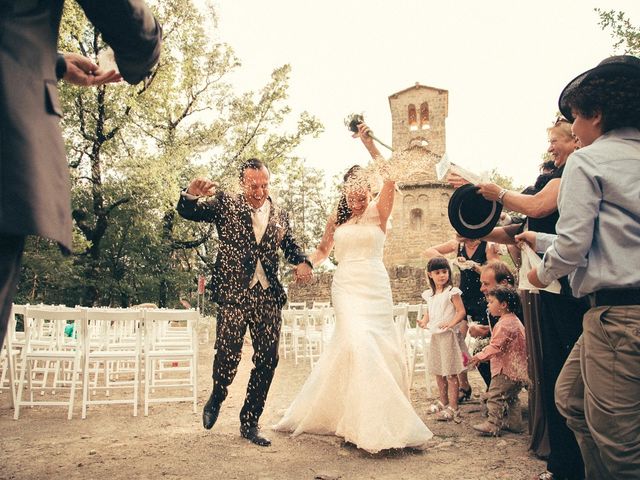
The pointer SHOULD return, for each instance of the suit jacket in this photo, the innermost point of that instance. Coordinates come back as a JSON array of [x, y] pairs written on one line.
[[34, 177], [238, 251]]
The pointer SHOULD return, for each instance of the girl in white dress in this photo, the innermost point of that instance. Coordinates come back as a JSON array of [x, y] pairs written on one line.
[[446, 355], [359, 389]]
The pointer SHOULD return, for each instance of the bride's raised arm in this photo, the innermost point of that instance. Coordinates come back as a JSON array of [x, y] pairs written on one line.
[[385, 202], [325, 246], [387, 193]]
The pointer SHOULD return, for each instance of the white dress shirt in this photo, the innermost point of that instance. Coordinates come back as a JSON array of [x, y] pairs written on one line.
[[259, 220]]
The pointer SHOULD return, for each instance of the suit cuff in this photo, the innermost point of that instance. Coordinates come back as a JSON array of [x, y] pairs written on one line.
[[188, 196], [61, 66]]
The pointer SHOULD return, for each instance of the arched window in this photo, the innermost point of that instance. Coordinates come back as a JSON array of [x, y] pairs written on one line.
[[415, 219], [424, 116], [413, 117]]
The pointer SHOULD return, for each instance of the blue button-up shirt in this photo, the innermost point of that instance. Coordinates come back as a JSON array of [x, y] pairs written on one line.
[[598, 232]]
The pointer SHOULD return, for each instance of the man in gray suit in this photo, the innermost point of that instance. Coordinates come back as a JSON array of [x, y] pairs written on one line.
[[34, 177]]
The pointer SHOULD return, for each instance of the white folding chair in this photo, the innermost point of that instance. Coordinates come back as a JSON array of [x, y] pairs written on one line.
[[297, 319], [419, 341], [314, 334], [170, 356], [321, 304], [46, 343], [329, 324], [296, 305], [401, 318], [286, 332], [113, 348], [13, 343]]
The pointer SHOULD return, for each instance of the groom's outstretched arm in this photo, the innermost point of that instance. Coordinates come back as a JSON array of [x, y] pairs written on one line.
[[292, 251], [200, 201]]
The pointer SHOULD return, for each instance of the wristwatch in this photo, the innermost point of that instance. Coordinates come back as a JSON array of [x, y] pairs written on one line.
[[502, 194]]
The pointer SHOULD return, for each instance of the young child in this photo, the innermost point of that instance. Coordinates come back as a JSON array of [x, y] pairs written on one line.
[[446, 354], [508, 359]]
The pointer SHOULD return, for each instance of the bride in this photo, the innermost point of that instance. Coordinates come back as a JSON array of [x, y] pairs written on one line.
[[359, 389]]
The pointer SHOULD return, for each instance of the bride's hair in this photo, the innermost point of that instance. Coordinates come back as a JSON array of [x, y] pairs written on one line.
[[439, 263], [354, 175]]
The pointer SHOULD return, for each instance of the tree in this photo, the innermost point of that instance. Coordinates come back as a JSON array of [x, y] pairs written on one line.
[[622, 30], [132, 148], [302, 192]]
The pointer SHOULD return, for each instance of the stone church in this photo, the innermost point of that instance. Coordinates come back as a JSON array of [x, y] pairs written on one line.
[[419, 217]]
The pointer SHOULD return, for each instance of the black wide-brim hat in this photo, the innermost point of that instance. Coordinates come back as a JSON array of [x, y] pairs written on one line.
[[610, 67], [470, 214]]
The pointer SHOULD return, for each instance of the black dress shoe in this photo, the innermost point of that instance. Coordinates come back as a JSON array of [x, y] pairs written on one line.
[[210, 413], [253, 435]]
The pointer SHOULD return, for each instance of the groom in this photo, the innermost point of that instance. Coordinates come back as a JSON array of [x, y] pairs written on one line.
[[245, 284]]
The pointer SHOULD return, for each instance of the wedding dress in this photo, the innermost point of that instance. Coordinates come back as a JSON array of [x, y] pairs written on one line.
[[359, 389]]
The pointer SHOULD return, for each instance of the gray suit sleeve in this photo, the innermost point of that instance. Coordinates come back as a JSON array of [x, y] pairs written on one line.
[[130, 28]]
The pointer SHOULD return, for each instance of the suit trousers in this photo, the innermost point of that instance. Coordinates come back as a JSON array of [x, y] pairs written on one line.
[[560, 327], [598, 392], [11, 248], [261, 313]]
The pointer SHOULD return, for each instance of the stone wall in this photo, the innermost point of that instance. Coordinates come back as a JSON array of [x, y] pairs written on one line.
[[407, 285], [419, 220]]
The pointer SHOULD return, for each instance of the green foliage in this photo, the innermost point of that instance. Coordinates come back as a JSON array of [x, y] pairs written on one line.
[[301, 191], [503, 180], [131, 149], [624, 33]]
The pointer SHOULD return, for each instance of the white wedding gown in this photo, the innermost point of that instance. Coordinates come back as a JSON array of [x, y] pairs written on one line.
[[359, 389]]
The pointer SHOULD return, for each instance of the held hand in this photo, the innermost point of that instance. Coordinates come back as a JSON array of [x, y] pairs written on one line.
[[456, 180], [303, 273], [527, 237], [478, 331], [448, 326], [83, 72], [201, 187], [532, 276], [422, 323], [473, 362], [489, 191], [363, 134]]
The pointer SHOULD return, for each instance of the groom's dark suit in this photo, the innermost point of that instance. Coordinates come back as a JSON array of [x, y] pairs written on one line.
[[239, 305]]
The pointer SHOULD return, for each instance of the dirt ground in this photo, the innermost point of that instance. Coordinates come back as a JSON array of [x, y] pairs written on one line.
[[171, 443]]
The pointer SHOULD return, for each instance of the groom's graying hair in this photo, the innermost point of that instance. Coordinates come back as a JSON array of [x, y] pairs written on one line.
[[253, 164]]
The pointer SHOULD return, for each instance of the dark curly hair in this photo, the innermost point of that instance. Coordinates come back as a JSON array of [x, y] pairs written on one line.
[[344, 212], [509, 295], [616, 98]]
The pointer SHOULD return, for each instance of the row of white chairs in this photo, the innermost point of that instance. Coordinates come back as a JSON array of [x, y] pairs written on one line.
[[104, 353], [306, 331]]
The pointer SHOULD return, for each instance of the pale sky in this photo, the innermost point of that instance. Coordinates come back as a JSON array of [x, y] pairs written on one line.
[[503, 62]]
